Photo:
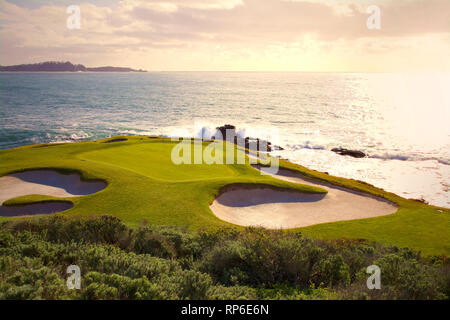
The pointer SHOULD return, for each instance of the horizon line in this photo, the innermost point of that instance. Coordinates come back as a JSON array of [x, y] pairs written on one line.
[[236, 71]]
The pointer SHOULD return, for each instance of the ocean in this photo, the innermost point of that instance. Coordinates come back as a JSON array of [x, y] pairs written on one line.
[[400, 120]]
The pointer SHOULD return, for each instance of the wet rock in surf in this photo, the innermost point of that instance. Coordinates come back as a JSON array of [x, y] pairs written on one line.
[[348, 152], [228, 132]]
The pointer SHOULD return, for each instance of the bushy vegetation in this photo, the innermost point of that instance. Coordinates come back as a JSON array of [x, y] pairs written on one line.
[[172, 263]]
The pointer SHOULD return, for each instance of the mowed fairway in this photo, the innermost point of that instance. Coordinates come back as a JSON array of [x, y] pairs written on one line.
[[145, 185]]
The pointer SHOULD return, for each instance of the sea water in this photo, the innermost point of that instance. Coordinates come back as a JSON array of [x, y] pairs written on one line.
[[400, 120]]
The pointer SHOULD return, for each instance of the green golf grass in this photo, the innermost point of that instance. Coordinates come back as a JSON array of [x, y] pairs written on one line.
[[145, 185]]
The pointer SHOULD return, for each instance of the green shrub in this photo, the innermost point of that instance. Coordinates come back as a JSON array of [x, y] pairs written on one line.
[[154, 244], [173, 263], [333, 271]]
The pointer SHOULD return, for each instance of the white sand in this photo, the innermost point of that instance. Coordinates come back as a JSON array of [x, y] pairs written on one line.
[[46, 182], [274, 209]]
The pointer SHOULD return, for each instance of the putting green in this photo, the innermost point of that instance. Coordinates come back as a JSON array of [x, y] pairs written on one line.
[[144, 185], [153, 160]]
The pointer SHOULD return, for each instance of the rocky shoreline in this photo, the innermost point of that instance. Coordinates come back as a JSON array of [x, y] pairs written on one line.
[[228, 132]]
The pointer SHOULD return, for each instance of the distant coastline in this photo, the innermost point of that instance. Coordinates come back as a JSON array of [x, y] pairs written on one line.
[[54, 66]]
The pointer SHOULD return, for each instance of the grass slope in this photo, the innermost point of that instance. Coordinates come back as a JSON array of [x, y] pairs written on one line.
[[144, 184]]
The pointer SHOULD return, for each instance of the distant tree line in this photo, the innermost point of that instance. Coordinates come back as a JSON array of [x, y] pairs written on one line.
[[55, 66]]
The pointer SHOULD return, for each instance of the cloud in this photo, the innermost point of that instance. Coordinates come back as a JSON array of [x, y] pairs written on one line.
[[193, 4], [258, 26]]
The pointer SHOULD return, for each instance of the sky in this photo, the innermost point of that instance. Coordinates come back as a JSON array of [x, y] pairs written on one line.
[[231, 35]]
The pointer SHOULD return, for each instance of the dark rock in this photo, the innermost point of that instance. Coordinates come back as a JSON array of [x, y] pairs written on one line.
[[223, 131], [257, 144], [278, 148], [347, 152], [228, 132]]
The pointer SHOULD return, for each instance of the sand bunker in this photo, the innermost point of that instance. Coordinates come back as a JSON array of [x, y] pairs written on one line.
[[274, 209], [43, 182], [35, 208]]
